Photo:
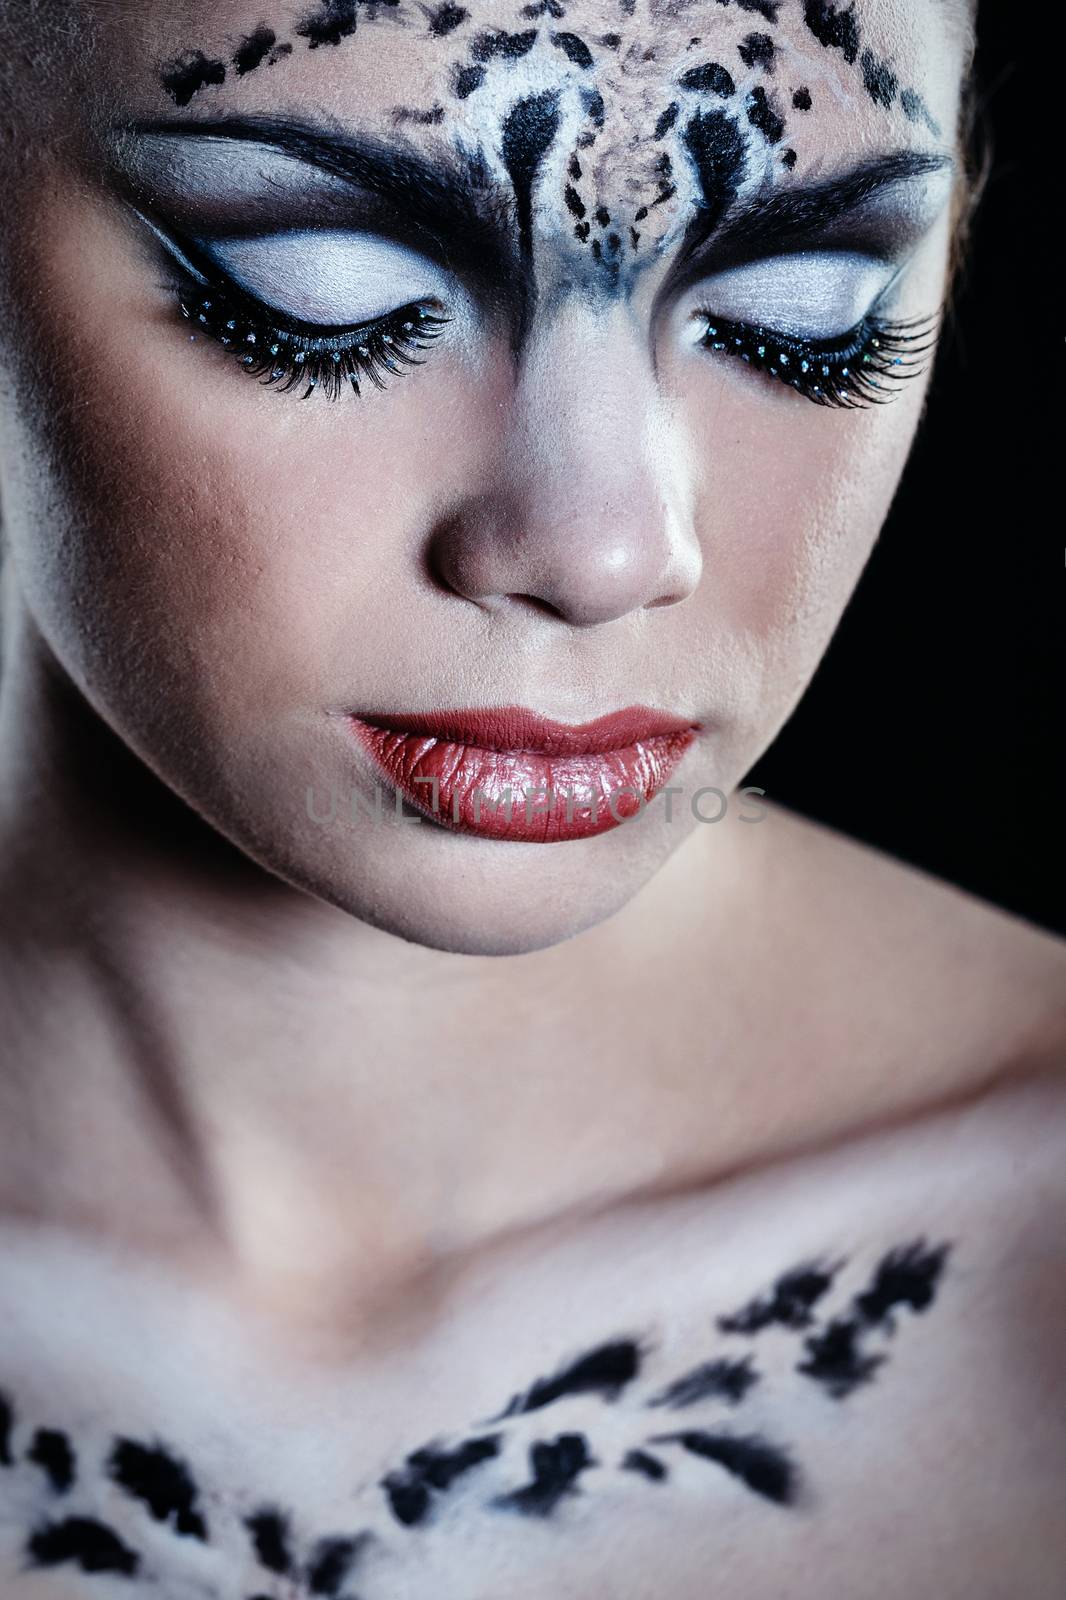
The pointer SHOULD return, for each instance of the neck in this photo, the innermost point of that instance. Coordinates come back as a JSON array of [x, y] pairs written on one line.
[[320, 1108]]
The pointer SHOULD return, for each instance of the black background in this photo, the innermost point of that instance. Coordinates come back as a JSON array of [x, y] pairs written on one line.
[[932, 728]]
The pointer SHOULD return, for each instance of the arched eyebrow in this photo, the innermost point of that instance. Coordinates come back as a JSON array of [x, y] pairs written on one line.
[[806, 214], [461, 214], [450, 208]]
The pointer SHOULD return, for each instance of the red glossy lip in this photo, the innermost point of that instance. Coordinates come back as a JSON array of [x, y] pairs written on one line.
[[506, 773]]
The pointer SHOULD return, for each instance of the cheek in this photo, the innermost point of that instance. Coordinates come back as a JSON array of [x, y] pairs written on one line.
[[790, 499]]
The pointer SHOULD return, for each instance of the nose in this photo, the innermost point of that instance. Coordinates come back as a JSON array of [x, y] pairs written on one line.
[[584, 507]]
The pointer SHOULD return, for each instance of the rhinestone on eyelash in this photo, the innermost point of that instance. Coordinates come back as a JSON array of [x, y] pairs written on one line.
[[231, 325], [783, 358], [250, 338], [300, 355], [762, 351]]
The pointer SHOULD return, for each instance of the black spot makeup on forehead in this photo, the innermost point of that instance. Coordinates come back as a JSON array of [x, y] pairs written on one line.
[[613, 122], [757, 50], [188, 73], [838, 28], [330, 22], [259, 46]]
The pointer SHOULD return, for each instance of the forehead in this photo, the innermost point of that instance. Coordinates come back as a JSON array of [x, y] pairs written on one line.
[[623, 114], [458, 63]]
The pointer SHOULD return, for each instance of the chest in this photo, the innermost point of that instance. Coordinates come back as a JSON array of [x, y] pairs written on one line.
[[850, 1417]]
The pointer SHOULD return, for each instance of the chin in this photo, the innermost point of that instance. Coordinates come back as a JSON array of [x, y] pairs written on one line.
[[465, 895]]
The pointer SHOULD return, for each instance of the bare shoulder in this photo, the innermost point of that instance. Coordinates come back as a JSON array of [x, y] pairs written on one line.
[[975, 966]]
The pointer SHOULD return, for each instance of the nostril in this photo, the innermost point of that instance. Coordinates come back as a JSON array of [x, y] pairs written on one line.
[[536, 602]]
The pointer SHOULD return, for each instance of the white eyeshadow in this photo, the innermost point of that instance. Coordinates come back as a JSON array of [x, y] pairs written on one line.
[[328, 276], [816, 295]]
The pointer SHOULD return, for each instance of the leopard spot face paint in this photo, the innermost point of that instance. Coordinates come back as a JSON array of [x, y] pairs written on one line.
[[612, 102]]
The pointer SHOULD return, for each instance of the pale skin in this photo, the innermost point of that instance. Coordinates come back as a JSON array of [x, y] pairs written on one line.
[[388, 1122]]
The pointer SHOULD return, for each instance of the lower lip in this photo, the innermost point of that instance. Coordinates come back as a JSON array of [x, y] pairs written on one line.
[[564, 781]]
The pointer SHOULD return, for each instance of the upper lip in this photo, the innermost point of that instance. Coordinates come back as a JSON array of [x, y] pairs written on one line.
[[516, 728]]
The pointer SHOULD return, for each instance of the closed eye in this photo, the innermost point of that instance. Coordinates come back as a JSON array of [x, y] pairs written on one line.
[[817, 321], [322, 309]]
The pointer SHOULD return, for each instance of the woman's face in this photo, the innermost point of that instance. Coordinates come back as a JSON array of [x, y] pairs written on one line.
[[633, 246]]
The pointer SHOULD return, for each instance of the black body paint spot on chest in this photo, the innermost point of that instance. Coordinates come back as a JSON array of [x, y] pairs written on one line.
[[908, 1276], [757, 50], [7, 1423], [724, 1379], [410, 1490], [802, 100], [332, 1561], [764, 1467], [605, 1371], [188, 73], [837, 1360], [555, 1468], [838, 1357], [150, 1473], [790, 1302], [269, 1531], [51, 1451], [81, 1542], [644, 1463]]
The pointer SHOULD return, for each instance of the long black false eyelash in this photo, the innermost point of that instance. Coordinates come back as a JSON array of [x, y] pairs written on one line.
[[330, 363], [863, 368]]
